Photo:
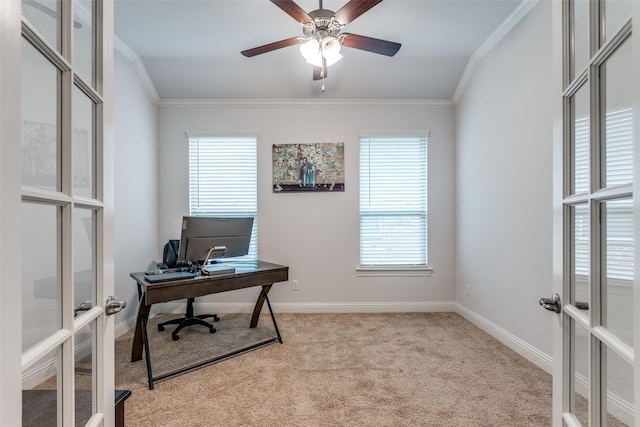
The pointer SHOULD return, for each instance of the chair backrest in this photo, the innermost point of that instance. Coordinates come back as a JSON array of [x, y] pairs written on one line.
[[170, 253]]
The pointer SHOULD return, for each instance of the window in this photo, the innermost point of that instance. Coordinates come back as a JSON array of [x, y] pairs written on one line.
[[223, 179], [393, 201]]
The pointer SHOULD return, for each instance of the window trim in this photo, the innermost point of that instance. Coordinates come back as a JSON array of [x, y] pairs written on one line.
[[390, 271], [192, 136], [417, 270]]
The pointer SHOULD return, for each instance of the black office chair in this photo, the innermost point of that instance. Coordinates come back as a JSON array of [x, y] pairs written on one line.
[[170, 260]]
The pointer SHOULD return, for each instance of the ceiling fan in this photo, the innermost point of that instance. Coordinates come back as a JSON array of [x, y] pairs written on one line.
[[322, 36]]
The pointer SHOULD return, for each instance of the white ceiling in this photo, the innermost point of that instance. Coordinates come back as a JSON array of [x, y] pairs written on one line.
[[191, 48]]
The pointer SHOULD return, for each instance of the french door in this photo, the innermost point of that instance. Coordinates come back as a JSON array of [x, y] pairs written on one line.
[[57, 66], [596, 215]]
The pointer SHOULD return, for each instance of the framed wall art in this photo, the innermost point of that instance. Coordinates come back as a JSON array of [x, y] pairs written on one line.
[[308, 167]]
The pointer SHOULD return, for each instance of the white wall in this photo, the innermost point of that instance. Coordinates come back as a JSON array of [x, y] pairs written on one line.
[[316, 234], [504, 183], [136, 182]]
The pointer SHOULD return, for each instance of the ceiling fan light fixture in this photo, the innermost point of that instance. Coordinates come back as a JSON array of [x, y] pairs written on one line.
[[313, 51], [310, 51], [332, 59], [331, 50], [330, 47]]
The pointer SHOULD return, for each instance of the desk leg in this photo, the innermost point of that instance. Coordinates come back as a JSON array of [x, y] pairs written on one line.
[[138, 341], [273, 318], [259, 304], [141, 341], [258, 308], [147, 354]]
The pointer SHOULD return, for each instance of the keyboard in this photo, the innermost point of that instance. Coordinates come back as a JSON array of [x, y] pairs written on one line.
[[167, 277]]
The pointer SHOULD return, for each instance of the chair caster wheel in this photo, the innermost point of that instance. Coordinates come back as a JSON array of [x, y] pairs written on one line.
[[216, 318], [160, 328], [175, 337], [212, 330]]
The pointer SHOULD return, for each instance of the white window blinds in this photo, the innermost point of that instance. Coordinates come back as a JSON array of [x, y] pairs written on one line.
[[223, 179], [393, 201], [617, 167]]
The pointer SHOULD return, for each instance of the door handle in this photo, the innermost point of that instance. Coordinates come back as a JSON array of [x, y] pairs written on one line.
[[551, 304], [112, 306], [85, 306], [582, 305]]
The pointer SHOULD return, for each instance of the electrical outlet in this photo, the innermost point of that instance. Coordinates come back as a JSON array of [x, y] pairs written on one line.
[[295, 285], [468, 289]]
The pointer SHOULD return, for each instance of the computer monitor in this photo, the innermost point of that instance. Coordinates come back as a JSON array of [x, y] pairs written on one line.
[[229, 237]]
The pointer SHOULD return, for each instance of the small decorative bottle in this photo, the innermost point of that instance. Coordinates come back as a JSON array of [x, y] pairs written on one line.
[[308, 175]]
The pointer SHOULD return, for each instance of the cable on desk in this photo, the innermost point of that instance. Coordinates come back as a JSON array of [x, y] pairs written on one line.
[[206, 259]]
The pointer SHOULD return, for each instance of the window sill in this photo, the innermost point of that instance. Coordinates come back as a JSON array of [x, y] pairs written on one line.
[[370, 271]]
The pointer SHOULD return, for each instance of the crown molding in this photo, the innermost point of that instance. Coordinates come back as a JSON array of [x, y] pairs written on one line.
[[305, 103], [141, 70], [491, 42]]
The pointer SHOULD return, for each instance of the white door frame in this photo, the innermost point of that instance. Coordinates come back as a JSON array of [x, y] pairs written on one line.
[[635, 41], [10, 236], [561, 235], [12, 360]]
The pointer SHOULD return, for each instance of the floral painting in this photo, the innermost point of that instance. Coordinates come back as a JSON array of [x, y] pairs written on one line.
[[308, 167]]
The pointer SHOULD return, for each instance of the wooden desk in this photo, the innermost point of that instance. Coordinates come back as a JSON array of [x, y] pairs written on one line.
[[247, 274]]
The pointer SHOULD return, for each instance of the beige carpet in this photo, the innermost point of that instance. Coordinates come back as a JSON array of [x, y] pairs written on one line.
[[404, 369]]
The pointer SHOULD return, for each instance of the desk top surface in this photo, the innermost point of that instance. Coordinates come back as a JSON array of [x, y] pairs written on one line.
[[246, 274], [239, 267]]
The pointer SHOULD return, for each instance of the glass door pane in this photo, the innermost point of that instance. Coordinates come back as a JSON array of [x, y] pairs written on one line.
[[617, 401], [83, 41], [40, 140], [617, 121], [617, 268], [85, 348], [580, 274], [615, 12], [84, 260], [44, 16], [41, 388], [579, 37], [41, 272], [84, 159], [579, 389], [579, 104]]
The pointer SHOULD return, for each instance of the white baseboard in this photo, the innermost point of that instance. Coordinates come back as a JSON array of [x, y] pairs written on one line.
[[377, 307], [526, 350], [125, 326], [329, 307]]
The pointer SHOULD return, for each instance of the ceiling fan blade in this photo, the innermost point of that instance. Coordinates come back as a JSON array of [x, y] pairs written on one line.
[[383, 47], [293, 10], [271, 46], [354, 9]]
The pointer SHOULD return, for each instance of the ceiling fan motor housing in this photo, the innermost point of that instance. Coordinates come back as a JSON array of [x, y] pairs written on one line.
[[323, 25]]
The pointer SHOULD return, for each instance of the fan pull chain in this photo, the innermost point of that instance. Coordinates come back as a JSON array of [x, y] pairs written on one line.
[[324, 63]]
